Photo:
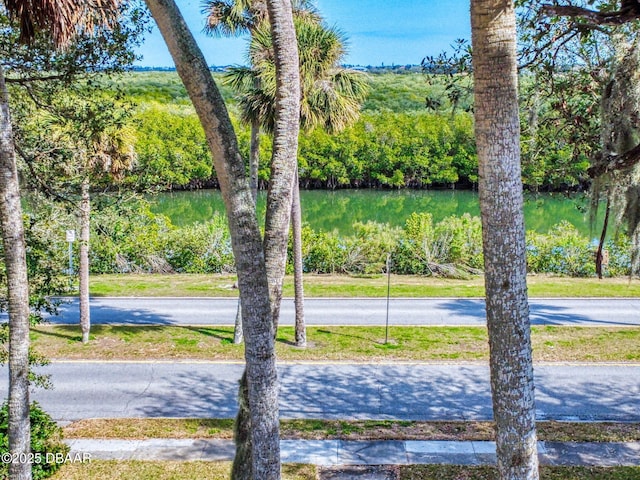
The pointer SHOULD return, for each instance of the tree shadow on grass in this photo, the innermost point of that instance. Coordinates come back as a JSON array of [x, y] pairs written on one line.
[[349, 335], [224, 335], [66, 332]]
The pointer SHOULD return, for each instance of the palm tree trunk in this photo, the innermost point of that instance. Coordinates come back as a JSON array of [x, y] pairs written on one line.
[[251, 256], [254, 159], [283, 165], [254, 163], [85, 224], [296, 226], [17, 295], [237, 328], [284, 159], [500, 186]]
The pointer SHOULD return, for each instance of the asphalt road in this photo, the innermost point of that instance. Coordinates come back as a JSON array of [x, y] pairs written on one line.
[[380, 391], [370, 311]]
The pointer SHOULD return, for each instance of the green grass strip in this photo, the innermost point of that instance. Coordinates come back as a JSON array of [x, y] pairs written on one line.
[[320, 429], [348, 344], [185, 285]]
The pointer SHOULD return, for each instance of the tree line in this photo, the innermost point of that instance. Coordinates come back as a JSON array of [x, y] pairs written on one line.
[[387, 147]]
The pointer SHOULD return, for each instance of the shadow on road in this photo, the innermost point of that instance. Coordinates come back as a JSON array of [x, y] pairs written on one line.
[[404, 392], [586, 400], [69, 314], [329, 391], [194, 394], [540, 313]]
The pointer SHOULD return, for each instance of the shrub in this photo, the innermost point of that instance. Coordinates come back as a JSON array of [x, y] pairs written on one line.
[[132, 239], [321, 252], [46, 442], [201, 248], [452, 248], [561, 251], [367, 251]]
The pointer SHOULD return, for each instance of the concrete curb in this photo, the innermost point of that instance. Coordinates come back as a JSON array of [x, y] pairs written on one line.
[[343, 452]]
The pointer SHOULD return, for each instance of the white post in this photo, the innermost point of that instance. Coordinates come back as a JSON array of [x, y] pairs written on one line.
[[71, 237], [386, 333]]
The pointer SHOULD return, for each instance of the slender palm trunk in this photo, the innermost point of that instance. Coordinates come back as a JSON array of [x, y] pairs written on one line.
[[296, 227], [254, 159], [278, 217], [85, 224], [237, 328], [18, 295], [250, 254], [284, 160], [254, 163], [500, 186]]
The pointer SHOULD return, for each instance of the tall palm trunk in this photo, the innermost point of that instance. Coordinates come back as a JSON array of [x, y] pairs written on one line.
[[296, 227], [253, 280], [254, 159], [18, 295], [285, 147], [254, 164], [83, 273], [500, 186], [278, 216]]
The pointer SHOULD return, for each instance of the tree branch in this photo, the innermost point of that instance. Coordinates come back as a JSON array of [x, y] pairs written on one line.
[[44, 78], [594, 17], [611, 163], [45, 188]]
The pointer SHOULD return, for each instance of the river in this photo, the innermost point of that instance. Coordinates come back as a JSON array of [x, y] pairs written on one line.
[[340, 209]]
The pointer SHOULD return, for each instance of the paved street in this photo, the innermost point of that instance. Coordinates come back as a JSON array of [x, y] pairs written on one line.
[[370, 311], [379, 391], [317, 390]]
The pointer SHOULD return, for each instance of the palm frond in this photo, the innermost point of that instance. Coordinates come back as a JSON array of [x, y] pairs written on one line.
[[225, 18], [331, 95], [62, 19], [241, 79], [229, 18]]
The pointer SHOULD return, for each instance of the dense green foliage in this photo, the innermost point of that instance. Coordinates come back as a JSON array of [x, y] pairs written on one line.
[[171, 147], [47, 447], [391, 150], [129, 238], [397, 142]]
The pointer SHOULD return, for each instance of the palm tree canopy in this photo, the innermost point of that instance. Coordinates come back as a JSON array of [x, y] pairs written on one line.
[[228, 18], [62, 19], [331, 94]]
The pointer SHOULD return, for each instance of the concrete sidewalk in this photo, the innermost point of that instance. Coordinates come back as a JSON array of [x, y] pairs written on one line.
[[341, 452]]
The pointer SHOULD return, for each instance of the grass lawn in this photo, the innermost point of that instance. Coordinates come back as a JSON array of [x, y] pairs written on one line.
[[142, 470], [309, 429], [459, 472], [185, 285], [139, 470], [353, 344]]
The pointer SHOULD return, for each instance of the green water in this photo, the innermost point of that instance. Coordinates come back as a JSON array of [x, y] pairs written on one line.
[[340, 209]]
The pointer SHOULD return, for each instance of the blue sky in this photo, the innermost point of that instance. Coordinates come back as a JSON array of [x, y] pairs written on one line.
[[378, 31]]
